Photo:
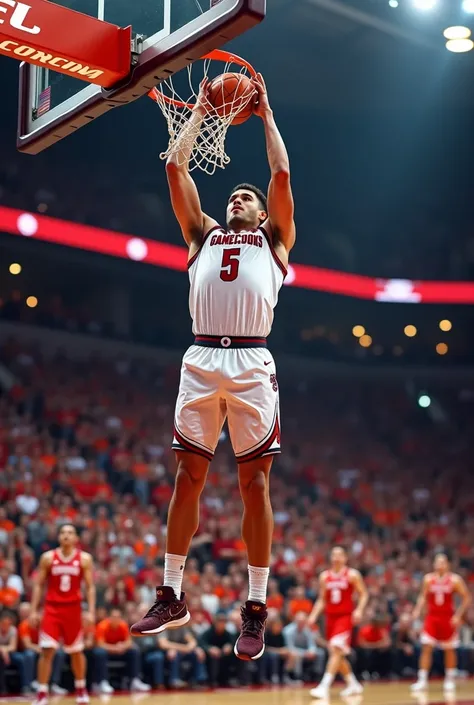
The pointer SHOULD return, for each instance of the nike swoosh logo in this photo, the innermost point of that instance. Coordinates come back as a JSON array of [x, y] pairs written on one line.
[[175, 611], [267, 363]]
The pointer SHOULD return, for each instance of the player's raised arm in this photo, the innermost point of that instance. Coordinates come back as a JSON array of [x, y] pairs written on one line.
[[320, 602], [280, 197], [184, 194], [421, 601], [40, 580], [463, 592]]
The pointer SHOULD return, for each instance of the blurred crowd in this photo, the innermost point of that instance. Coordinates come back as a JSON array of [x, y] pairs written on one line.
[[363, 466]]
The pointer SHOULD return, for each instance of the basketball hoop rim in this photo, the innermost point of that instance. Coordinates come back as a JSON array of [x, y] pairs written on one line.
[[215, 55]]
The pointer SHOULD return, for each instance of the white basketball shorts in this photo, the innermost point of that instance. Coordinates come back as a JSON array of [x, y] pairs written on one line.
[[233, 379]]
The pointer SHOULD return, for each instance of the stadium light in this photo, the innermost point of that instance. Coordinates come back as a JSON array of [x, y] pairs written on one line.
[[441, 348], [457, 32], [358, 331], [31, 301], [459, 46], [365, 341], [468, 6], [445, 325], [424, 401], [425, 4], [393, 3], [410, 331], [14, 268]]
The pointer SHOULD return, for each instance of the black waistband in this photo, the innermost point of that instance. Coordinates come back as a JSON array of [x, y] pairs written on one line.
[[227, 341]]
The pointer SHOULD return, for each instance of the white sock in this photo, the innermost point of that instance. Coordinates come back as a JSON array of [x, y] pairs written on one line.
[[258, 581], [327, 680], [422, 676], [450, 674], [43, 688], [79, 684], [174, 571], [351, 679]]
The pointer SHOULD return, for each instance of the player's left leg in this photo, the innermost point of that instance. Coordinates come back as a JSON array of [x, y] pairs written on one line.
[[450, 668], [74, 646], [78, 667], [257, 532], [251, 396]]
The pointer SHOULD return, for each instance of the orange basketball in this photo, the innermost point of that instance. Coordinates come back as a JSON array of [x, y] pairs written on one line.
[[229, 90]]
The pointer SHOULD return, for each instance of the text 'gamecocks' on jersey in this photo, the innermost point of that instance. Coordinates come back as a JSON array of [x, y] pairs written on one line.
[[339, 592], [64, 579], [234, 283]]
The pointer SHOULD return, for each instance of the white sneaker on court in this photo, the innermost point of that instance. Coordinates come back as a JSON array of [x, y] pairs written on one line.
[[419, 686], [449, 685], [352, 689], [321, 692]]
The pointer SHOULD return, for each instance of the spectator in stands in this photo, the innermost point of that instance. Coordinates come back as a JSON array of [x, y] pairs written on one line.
[[218, 644], [28, 645], [405, 657], [11, 586], [301, 645], [277, 657], [180, 645], [153, 657], [9, 654], [374, 646], [114, 643]]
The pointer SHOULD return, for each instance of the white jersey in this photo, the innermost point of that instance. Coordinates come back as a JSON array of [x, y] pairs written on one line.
[[234, 283]]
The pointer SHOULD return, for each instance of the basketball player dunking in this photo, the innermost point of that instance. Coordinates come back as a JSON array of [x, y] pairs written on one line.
[[338, 585], [442, 621], [235, 275], [62, 571]]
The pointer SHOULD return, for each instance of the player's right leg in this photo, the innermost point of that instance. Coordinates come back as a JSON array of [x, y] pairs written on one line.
[[49, 641], [199, 418], [45, 666], [424, 665]]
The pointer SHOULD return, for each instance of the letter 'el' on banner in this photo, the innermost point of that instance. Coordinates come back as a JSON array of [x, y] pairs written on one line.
[[49, 35]]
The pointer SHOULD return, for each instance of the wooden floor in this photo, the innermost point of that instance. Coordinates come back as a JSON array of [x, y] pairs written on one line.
[[379, 694]]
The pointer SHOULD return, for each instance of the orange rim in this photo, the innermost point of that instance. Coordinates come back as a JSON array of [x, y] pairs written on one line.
[[215, 55]]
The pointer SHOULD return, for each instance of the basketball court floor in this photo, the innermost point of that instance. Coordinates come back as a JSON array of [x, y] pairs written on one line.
[[379, 694]]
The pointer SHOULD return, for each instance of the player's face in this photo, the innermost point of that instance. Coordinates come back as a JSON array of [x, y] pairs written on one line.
[[67, 537], [243, 209], [338, 558], [441, 564]]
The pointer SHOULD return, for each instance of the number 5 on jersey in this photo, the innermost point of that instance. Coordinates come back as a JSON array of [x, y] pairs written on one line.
[[230, 264]]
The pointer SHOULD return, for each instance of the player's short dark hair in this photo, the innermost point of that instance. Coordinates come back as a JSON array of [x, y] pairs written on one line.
[[262, 199], [66, 523], [341, 548]]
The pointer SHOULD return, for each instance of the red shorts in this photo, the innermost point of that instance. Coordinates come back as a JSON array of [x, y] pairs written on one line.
[[339, 631], [62, 624], [438, 631]]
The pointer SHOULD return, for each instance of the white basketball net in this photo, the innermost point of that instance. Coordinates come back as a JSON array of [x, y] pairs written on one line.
[[208, 142]]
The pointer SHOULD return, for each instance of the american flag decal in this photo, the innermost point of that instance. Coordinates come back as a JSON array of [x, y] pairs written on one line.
[[44, 102]]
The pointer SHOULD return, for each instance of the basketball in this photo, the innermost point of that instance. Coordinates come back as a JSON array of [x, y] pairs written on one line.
[[227, 91]]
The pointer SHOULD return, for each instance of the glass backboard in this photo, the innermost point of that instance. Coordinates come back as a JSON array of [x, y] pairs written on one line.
[[167, 35]]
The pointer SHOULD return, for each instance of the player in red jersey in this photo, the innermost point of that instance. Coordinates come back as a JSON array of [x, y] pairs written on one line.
[[63, 571], [442, 620], [338, 586]]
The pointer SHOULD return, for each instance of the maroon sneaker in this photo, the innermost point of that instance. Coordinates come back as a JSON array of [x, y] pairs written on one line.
[[251, 643], [167, 613]]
